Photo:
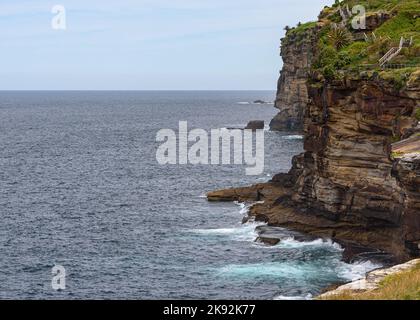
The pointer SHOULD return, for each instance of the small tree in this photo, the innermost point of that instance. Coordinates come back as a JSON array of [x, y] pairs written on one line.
[[339, 37]]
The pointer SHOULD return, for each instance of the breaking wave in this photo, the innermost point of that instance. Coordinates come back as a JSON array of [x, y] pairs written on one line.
[[292, 243], [293, 137], [244, 232]]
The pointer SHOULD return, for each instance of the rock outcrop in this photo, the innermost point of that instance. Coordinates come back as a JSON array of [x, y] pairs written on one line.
[[255, 125], [371, 281], [358, 181], [297, 49], [347, 185], [347, 172]]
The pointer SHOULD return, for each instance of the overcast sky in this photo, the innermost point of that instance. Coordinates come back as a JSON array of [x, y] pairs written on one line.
[[147, 44]]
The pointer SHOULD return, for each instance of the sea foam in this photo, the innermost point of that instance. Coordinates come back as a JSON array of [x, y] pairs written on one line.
[[293, 137], [243, 232]]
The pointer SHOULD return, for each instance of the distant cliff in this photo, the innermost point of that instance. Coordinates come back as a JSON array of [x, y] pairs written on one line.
[[359, 177], [297, 49]]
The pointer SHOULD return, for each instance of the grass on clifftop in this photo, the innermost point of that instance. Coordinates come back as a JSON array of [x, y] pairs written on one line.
[[397, 77], [401, 286], [302, 28], [357, 55]]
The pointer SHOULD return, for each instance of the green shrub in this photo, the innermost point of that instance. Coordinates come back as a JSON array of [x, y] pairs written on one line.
[[344, 59], [339, 38], [395, 138], [327, 56], [302, 28], [329, 61], [397, 77], [380, 47], [417, 114], [396, 155], [329, 72]]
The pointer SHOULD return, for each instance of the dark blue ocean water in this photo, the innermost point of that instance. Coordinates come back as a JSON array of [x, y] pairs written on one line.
[[80, 186]]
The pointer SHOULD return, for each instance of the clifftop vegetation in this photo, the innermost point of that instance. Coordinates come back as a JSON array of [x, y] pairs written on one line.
[[341, 47]]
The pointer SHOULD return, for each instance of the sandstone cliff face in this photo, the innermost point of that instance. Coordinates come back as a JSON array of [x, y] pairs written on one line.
[[347, 173], [348, 185], [358, 180], [292, 95]]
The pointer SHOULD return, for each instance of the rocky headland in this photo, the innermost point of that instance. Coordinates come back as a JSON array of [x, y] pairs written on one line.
[[358, 180]]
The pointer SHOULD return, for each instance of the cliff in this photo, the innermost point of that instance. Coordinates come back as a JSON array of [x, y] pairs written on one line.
[[348, 173], [297, 49], [358, 180]]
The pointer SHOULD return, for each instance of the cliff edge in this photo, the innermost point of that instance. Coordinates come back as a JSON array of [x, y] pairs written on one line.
[[297, 50]]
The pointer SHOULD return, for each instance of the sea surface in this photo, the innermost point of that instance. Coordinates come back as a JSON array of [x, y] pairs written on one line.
[[80, 187]]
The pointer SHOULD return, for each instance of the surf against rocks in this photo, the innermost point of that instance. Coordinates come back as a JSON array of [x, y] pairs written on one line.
[[192, 147]]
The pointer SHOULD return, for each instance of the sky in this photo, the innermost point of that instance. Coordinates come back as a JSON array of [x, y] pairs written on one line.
[[146, 44]]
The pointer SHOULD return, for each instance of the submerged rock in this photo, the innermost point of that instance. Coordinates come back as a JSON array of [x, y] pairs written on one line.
[[268, 241], [260, 102]]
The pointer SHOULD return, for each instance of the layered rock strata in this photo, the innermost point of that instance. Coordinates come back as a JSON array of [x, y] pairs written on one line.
[[347, 185]]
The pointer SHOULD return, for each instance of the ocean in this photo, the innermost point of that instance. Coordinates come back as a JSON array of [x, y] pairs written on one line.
[[80, 187]]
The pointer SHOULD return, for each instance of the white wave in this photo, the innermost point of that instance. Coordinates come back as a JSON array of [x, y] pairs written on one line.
[[244, 232], [357, 270], [243, 102], [285, 270], [299, 271], [293, 137], [244, 210], [306, 297], [292, 243], [264, 179], [245, 206]]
